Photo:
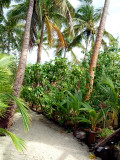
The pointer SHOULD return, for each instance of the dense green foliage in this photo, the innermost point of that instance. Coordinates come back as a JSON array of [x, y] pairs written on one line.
[[58, 88], [108, 66], [51, 87]]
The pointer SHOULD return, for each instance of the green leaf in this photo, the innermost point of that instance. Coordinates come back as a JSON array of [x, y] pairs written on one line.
[[18, 142], [24, 112], [85, 120]]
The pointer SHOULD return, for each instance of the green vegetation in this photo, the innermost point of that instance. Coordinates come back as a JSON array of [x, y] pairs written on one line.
[[78, 93], [55, 91], [105, 132], [7, 64]]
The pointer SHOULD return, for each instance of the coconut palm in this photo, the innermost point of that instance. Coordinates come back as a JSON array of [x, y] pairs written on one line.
[[45, 13], [50, 12], [22, 65], [97, 47], [3, 4], [87, 18], [85, 22], [10, 36], [85, 27]]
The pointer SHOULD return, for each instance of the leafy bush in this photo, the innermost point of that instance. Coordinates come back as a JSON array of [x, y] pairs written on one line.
[[54, 75], [59, 87], [105, 132]]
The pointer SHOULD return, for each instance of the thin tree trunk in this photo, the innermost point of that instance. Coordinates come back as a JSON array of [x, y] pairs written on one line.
[[41, 41], [87, 45], [65, 52], [21, 68], [97, 47], [84, 59], [8, 45]]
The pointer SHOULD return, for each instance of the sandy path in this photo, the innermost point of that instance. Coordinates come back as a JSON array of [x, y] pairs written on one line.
[[45, 141]]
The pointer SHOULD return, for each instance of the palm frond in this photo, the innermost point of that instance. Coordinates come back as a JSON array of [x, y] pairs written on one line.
[[109, 36], [104, 44], [75, 42], [24, 112], [109, 89], [84, 120], [46, 51], [3, 108], [61, 40], [18, 12], [5, 64], [69, 18], [66, 9], [75, 59], [49, 27], [18, 142]]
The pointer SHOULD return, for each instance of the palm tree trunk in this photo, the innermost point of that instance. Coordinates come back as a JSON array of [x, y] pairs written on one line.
[[24, 53], [97, 47], [7, 121], [41, 41]]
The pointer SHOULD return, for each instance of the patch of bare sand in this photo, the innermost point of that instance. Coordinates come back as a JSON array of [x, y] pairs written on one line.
[[45, 141]]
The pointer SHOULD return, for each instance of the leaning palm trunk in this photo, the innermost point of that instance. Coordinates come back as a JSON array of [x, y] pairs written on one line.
[[41, 41], [97, 47], [22, 65]]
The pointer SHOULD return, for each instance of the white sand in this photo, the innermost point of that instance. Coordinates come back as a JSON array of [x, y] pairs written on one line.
[[45, 141]]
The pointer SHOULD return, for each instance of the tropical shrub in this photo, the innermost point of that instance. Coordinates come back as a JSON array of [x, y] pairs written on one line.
[[60, 74], [107, 65], [59, 88]]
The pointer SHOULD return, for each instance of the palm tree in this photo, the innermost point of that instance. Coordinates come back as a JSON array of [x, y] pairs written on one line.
[[87, 18], [22, 63], [44, 13], [10, 36], [3, 4], [85, 27], [48, 15], [97, 47]]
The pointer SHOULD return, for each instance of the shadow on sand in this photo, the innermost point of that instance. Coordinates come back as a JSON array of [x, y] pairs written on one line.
[[45, 141]]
